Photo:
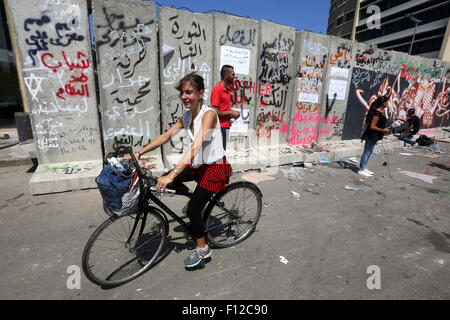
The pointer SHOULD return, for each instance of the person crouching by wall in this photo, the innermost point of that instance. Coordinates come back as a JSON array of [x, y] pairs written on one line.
[[375, 130], [413, 123]]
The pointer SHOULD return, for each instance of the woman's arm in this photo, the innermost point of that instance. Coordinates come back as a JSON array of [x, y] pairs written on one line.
[[161, 139], [373, 125], [209, 121]]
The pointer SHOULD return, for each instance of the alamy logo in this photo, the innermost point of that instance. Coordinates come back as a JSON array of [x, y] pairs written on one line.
[[373, 22], [74, 280], [374, 280]]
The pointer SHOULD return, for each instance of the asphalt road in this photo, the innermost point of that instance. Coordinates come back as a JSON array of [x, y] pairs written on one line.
[[335, 243]]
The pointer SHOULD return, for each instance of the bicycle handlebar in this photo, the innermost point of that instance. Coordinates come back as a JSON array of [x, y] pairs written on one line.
[[124, 149]]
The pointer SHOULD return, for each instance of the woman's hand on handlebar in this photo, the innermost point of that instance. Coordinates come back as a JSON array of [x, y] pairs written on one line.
[[162, 182], [128, 157]]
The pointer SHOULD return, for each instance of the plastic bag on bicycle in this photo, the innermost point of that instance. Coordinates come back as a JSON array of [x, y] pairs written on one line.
[[118, 185]]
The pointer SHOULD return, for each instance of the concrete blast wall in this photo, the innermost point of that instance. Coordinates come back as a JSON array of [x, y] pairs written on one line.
[[305, 115], [236, 42], [128, 75], [55, 55], [276, 83], [186, 45], [293, 89]]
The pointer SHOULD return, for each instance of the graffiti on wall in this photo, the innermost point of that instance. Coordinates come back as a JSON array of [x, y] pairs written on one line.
[[303, 128], [410, 88], [125, 56], [273, 86], [58, 75], [184, 50]]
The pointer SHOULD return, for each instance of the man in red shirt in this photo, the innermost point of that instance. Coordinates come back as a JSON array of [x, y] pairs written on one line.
[[220, 101]]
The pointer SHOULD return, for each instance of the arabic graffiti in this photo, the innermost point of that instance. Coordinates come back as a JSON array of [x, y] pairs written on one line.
[[40, 39], [239, 36], [126, 49]]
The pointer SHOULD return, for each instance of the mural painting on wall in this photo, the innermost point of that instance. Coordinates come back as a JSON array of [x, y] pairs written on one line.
[[188, 55], [58, 74], [418, 87], [124, 55], [273, 86]]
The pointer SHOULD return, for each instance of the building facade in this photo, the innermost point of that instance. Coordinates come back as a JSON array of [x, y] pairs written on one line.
[[394, 24]]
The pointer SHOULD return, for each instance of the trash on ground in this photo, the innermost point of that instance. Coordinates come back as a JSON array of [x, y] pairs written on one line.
[[342, 163], [424, 177], [354, 160], [307, 164], [405, 154], [428, 155], [256, 177], [384, 164], [323, 160], [295, 194], [283, 259], [312, 191], [346, 187], [294, 179]]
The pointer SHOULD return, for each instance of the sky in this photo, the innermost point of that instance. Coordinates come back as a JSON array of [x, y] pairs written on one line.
[[309, 15]]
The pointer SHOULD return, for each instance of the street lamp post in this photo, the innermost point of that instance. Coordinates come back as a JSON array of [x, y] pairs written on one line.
[[416, 22]]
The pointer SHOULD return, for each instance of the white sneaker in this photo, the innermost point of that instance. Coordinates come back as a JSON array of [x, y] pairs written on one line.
[[364, 173]]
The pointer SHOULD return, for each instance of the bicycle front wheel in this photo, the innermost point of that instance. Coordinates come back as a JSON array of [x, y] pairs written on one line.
[[232, 214], [122, 248]]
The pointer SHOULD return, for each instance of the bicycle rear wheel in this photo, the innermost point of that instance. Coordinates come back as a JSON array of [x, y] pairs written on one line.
[[232, 214], [122, 248]]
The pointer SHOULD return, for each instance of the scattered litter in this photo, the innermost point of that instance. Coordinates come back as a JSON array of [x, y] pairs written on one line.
[[342, 163], [346, 187], [384, 164], [428, 155], [354, 160], [421, 176], [198, 294], [312, 191], [410, 150], [283, 259], [307, 164], [140, 289], [272, 171], [266, 205], [323, 160], [440, 152], [294, 179], [295, 194], [340, 277], [405, 154], [256, 177]]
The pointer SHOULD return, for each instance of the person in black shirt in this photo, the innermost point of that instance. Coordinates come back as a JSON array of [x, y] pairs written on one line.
[[375, 130], [413, 123]]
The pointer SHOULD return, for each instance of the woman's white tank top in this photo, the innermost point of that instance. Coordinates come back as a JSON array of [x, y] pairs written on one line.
[[212, 149]]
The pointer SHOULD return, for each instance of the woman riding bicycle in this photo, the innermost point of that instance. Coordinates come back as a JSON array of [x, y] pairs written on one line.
[[204, 161]]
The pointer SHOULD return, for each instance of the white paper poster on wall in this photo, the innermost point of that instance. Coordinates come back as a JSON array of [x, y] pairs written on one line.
[[239, 124], [338, 87], [339, 72], [308, 97], [239, 58]]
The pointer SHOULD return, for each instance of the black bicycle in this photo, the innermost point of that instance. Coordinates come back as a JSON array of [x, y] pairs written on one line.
[[124, 247]]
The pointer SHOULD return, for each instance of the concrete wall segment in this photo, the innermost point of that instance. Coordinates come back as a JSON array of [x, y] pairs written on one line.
[[127, 60], [185, 42], [55, 52], [275, 86]]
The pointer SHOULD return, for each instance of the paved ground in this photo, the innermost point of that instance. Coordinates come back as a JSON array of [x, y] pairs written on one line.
[[398, 223]]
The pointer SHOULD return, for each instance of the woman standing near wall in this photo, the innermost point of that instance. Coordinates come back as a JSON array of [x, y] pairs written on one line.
[[376, 128]]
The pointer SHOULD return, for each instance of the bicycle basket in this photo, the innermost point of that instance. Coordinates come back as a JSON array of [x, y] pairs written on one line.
[[119, 189]]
